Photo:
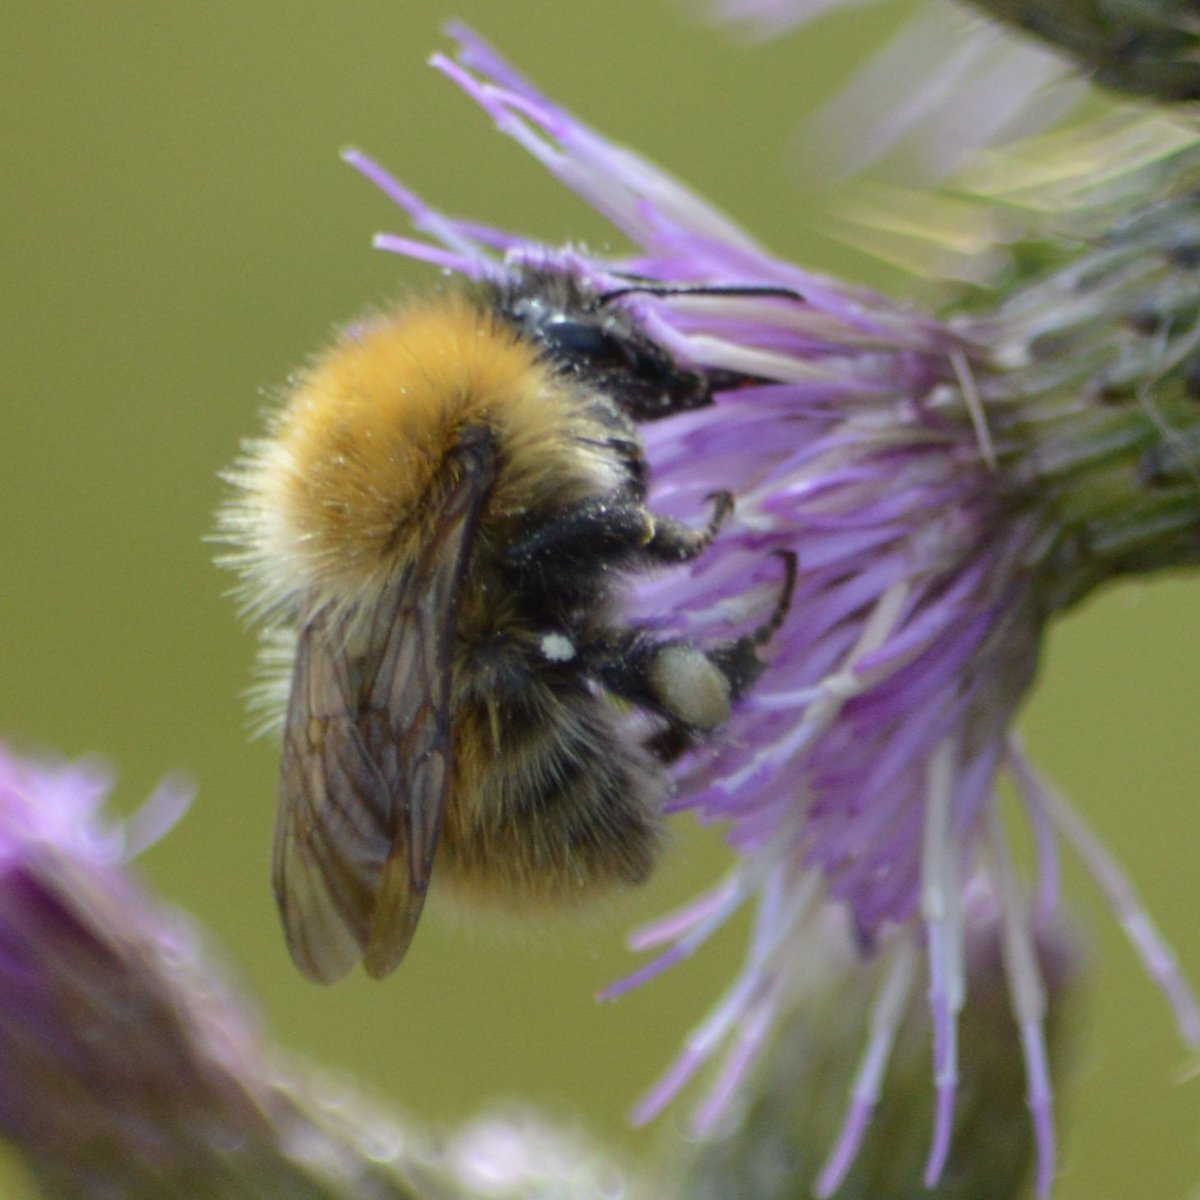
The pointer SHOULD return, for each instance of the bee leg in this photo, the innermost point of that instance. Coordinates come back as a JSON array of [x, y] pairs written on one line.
[[738, 659], [670, 743], [577, 539], [675, 542], [602, 530], [669, 676], [692, 688], [771, 626]]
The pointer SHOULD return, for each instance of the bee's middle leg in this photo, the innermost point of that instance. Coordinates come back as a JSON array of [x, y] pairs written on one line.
[[609, 530], [675, 542]]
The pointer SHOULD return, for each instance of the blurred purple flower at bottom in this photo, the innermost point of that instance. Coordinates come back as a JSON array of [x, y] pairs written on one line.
[[947, 488], [130, 1069]]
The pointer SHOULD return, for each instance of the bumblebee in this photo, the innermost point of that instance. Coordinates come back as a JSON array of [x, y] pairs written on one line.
[[438, 523]]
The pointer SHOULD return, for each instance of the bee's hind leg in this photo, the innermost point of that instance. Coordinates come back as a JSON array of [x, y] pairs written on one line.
[[692, 688]]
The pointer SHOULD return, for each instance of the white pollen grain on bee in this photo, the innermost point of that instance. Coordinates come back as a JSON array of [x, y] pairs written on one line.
[[557, 647]]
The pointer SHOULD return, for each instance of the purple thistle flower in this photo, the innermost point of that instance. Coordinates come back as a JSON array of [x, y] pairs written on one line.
[[943, 486], [774, 1150]]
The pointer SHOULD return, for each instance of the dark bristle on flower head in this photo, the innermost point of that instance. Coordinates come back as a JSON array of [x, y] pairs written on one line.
[[947, 486]]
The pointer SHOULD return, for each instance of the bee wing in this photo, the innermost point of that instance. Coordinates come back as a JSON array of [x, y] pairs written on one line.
[[366, 754]]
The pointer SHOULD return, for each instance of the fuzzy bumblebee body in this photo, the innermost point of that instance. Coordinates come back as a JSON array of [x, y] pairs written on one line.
[[442, 513]]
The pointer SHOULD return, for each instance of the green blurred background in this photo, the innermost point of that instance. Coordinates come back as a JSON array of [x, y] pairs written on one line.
[[176, 233]]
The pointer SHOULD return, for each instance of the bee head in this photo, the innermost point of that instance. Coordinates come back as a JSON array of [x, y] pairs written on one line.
[[584, 335]]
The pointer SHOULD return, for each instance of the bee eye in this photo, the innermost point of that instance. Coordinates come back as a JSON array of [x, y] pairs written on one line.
[[570, 340]]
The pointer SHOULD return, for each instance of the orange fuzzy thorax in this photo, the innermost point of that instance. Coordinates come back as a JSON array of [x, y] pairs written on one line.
[[336, 498]]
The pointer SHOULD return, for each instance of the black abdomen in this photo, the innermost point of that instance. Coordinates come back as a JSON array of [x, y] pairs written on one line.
[[550, 800]]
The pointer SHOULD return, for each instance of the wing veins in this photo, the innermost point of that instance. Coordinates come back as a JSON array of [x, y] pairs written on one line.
[[367, 748]]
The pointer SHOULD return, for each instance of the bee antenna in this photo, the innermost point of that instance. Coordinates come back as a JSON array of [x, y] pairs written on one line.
[[685, 289]]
